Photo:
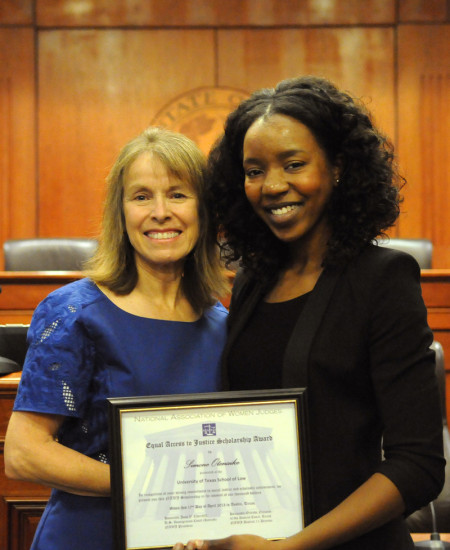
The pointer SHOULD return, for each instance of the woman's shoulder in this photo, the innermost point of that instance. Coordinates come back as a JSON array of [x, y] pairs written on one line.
[[375, 259], [217, 312], [379, 274], [71, 298], [82, 291], [219, 309]]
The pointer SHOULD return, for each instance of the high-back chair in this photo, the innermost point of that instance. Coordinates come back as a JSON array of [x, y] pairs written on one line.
[[422, 521], [421, 249], [13, 347], [47, 254]]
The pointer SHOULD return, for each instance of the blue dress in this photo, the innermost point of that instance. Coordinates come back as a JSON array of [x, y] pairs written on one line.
[[83, 349]]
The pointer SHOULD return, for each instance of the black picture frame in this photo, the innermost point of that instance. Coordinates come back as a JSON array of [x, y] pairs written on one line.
[[122, 410]]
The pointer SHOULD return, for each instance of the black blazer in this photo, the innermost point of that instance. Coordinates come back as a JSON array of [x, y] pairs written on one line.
[[361, 348]]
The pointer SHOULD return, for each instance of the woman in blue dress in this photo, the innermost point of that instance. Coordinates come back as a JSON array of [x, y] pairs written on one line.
[[144, 321]]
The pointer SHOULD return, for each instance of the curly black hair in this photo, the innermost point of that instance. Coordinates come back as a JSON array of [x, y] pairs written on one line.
[[362, 206]]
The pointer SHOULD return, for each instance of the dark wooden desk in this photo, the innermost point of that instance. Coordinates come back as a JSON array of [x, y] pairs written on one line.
[[21, 291]]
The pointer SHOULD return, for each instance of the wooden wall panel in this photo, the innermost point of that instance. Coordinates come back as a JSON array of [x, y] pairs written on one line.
[[97, 89], [359, 59], [221, 13], [424, 10], [424, 134], [16, 12], [17, 134]]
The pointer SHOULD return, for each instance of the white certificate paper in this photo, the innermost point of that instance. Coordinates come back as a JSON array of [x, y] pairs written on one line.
[[210, 471]]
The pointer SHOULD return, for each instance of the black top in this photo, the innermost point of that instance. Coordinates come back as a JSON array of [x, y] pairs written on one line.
[[256, 358]]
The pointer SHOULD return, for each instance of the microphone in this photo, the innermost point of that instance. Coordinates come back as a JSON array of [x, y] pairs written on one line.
[[435, 539]]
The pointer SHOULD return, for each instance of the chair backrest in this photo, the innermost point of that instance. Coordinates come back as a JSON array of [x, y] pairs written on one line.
[[13, 347], [421, 249], [421, 521], [440, 374], [47, 254]]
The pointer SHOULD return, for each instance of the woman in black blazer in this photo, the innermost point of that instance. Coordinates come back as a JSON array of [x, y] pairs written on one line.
[[302, 183]]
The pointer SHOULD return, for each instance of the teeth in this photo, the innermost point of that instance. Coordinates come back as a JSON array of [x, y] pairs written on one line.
[[283, 210], [165, 235]]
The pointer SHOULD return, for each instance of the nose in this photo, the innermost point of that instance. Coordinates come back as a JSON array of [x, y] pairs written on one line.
[[275, 183], [160, 209]]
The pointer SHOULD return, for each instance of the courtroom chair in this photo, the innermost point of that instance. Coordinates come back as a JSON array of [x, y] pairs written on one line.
[[421, 521], [13, 348], [421, 249], [47, 254]]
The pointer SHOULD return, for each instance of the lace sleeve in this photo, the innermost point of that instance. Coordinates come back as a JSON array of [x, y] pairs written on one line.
[[59, 363]]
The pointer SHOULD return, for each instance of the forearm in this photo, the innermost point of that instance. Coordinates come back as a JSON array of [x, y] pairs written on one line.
[[60, 468], [373, 504], [33, 454]]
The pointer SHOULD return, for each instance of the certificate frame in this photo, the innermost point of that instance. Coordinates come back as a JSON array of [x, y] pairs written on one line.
[[145, 519]]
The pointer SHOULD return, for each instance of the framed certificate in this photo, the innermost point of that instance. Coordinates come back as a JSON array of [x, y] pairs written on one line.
[[208, 466]]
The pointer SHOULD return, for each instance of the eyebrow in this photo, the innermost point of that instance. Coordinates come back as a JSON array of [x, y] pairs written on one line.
[[281, 156], [138, 186], [290, 153]]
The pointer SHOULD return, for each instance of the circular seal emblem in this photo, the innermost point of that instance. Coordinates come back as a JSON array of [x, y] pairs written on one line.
[[200, 113]]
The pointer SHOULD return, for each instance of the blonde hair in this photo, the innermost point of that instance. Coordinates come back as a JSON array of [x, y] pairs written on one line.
[[113, 264]]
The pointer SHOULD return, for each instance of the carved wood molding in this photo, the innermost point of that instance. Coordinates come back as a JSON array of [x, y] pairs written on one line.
[[23, 515]]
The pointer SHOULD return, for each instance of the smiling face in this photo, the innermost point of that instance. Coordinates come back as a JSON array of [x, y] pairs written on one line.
[[161, 215], [289, 181]]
